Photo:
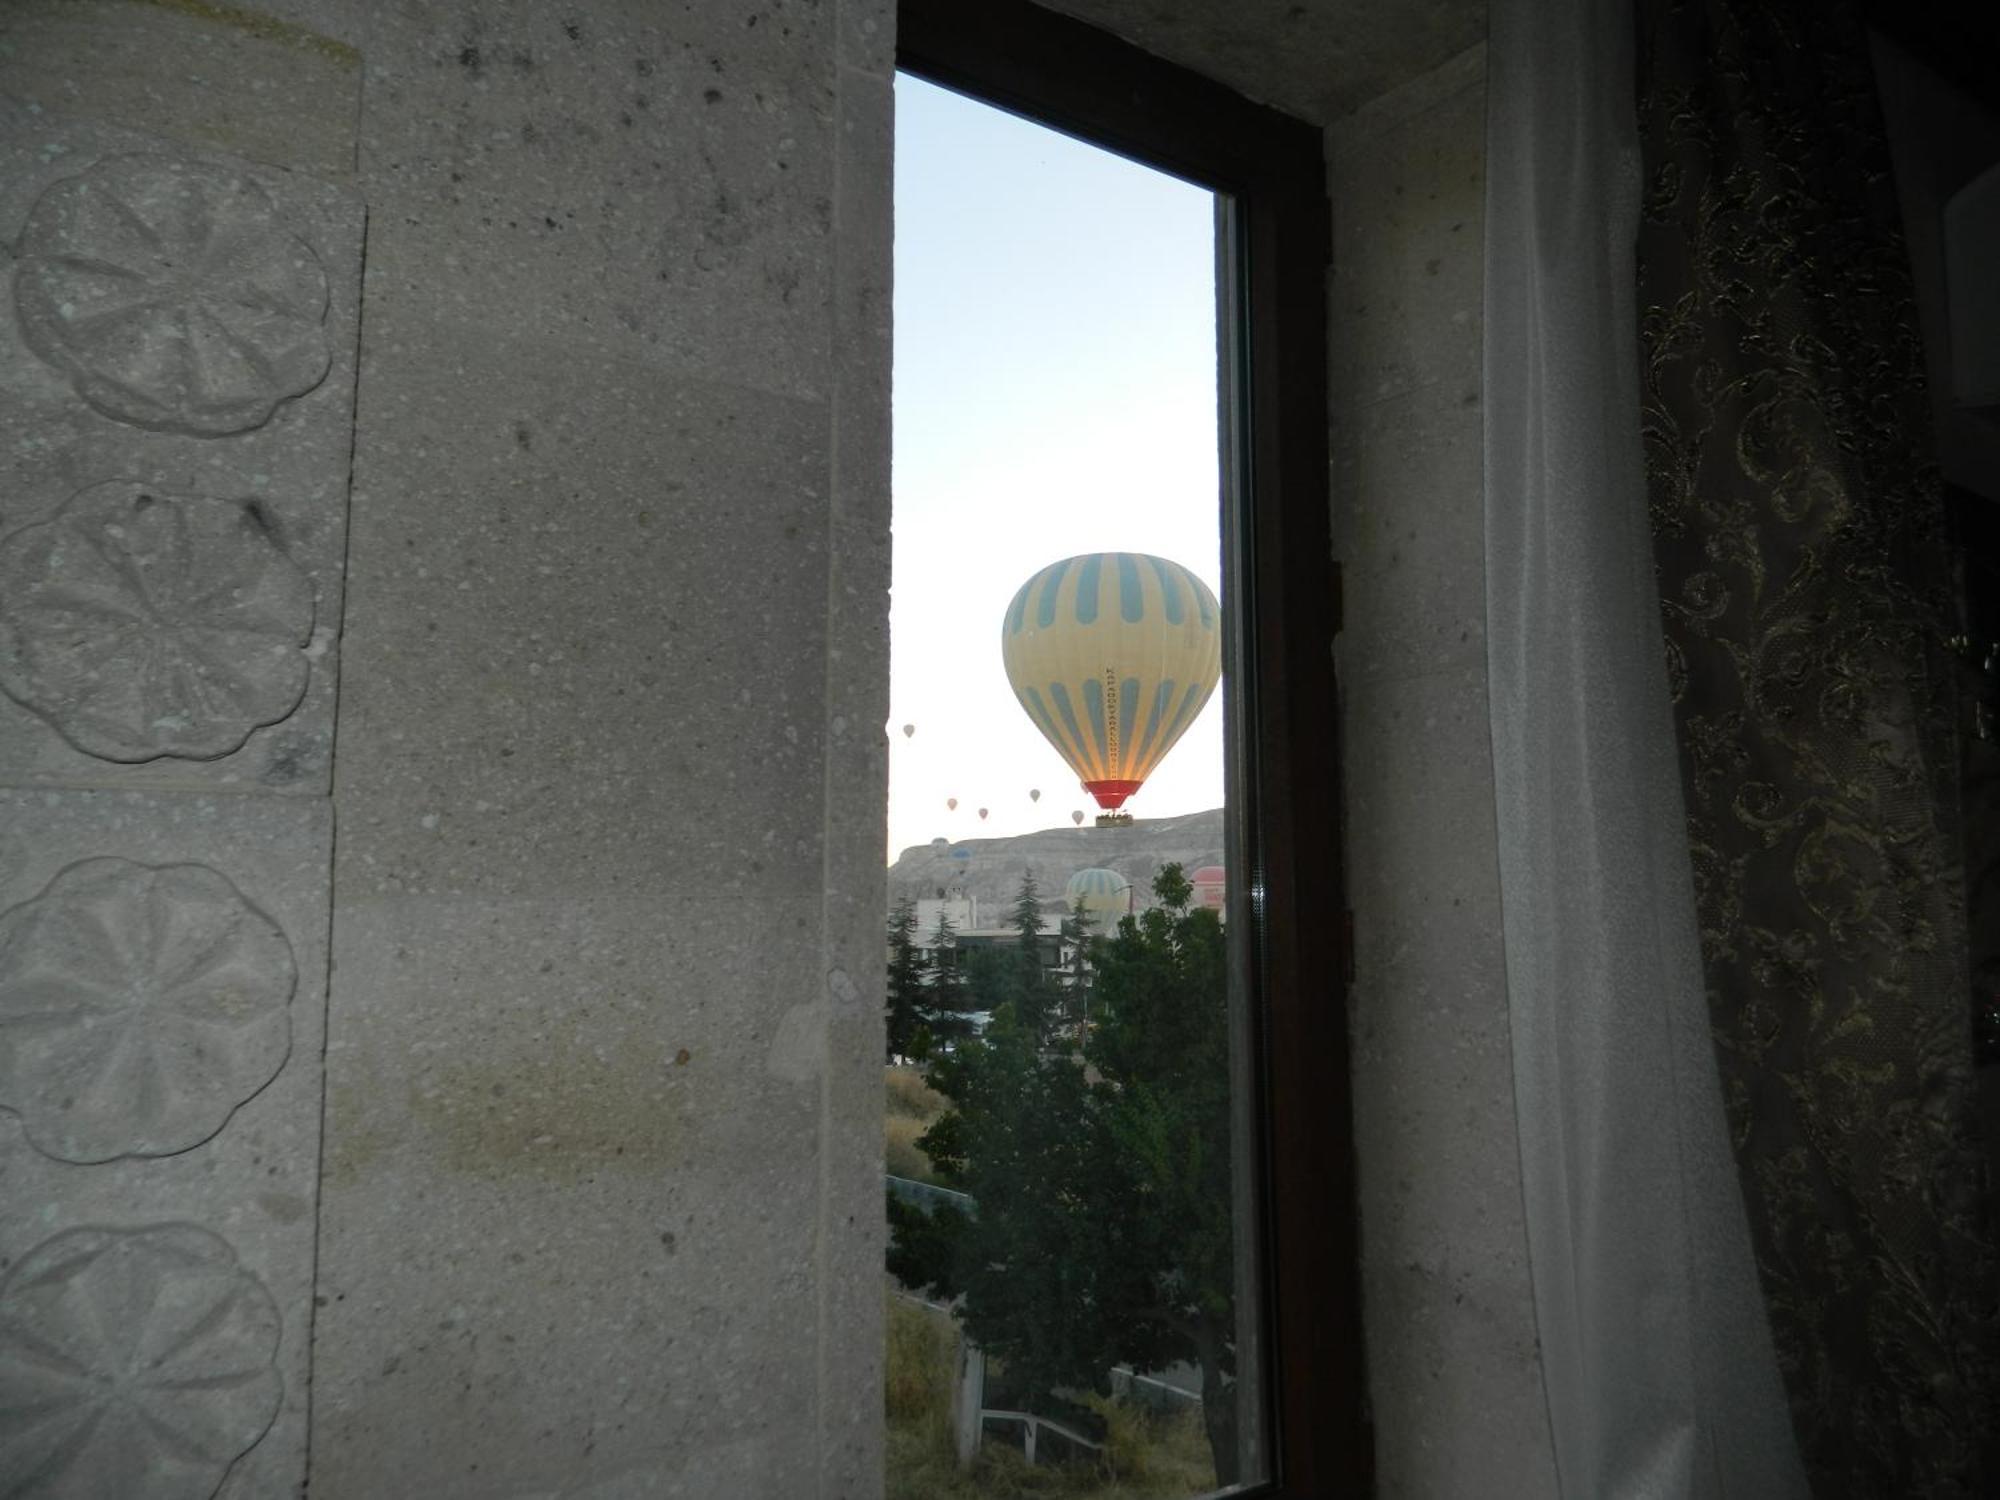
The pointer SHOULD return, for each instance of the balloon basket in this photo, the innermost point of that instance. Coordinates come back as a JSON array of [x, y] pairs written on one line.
[[1114, 820]]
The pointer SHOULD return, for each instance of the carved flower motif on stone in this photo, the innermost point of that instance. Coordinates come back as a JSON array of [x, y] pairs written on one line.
[[141, 623], [139, 1006], [133, 1363], [172, 295]]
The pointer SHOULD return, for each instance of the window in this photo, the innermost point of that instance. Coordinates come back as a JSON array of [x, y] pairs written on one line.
[[1281, 595]]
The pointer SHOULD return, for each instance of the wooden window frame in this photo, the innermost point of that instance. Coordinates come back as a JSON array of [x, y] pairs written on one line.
[[1283, 723]]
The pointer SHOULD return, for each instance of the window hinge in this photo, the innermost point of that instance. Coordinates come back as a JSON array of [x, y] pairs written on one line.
[[1339, 600], [1347, 947]]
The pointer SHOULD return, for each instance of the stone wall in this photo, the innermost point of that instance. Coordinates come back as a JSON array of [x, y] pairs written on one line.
[[178, 358], [1453, 1367], [578, 480], [600, 853]]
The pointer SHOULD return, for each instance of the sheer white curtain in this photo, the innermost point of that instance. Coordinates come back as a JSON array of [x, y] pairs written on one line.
[[1655, 1349]]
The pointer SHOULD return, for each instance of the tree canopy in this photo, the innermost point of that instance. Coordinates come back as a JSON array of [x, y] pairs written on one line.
[[1102, 1232], [908, 981], [927, 996]]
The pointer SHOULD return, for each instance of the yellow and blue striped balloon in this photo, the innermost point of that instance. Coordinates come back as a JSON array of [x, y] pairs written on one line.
[[1112, 656], [1106, 896]]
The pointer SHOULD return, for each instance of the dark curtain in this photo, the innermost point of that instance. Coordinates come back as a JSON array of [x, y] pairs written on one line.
[[1806, 586]]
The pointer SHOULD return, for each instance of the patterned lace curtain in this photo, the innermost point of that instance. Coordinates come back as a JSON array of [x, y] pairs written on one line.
[[1805, 583]]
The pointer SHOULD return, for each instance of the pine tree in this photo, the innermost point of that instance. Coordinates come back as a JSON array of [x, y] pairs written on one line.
[[908, 987], [1012, 1141], [1077, 980], [1103, 1231], [1036, 999], [1161, 1047], [950, 998]]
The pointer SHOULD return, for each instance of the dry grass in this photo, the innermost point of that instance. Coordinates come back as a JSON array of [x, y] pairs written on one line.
[[1145, 1457], [910, 1105], [1152, 1454], [901, 1156], [908, 1094], [919, 1368]]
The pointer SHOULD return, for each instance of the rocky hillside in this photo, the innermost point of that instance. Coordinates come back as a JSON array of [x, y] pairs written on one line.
[[989, 870]]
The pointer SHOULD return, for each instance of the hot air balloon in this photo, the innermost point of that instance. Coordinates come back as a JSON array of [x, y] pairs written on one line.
[[1112, 655], [1034, 794], [951, 803], [909, 730], [1105, 895], [982, 815], [1210, 887], [1076, 817]]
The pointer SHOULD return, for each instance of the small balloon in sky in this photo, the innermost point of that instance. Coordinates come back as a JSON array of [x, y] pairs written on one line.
[[1034, 794], [951, 803], [982, 815], [1076, 817], [909, 730]]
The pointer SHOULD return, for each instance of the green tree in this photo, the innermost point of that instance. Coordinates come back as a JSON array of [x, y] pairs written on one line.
[[908, 996], [1035, 997], [1023, 979], [1011, 1141], [950, 999], [1161, 1045], [1077, 979], [1102, 1231], [1014, 977]]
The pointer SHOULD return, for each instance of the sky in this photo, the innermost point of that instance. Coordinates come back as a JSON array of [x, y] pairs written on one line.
[[1054, 394]]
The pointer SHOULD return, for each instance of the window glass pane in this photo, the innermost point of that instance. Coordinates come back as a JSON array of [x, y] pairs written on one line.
[[1071, 1258]]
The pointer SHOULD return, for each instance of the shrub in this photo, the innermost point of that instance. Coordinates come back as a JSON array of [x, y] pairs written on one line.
[[1147, 1456], [901, 1156], [918, 1371], [907, 1094]]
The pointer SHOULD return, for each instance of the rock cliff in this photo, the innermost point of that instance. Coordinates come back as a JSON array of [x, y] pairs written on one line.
[[989, 870]]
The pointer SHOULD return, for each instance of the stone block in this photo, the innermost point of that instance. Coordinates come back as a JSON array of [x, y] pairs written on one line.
[[1314, 61], [1453, 1367], [868, 36], [172, 1174], [587, 630], [1404, 303], [1454, 1381], [1383, 112], [1419, 798], [1433, 1058], [650, 183], [210, 76], [173, 462], [1410, 530], [581, 1134], [855, 895]]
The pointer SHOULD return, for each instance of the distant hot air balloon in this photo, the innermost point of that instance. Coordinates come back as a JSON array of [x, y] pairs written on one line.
[[1034, 794], [1076, 817], [951, 803], [909, 730], [982, 815], [1105, 895], [1210, 884], [1112, 655]]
